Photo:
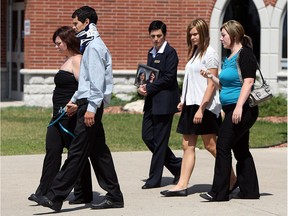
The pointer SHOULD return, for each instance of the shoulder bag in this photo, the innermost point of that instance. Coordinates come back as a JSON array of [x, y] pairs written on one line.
[[260, 94]]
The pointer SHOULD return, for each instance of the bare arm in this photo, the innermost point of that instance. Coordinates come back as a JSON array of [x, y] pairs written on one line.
[[209, 75], [208, 94], [76, 66], [244, 94]]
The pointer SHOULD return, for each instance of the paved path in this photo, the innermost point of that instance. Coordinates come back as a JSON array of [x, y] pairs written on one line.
[[20, 176]]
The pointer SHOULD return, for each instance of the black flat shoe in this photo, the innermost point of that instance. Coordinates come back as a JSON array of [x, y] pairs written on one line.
[[183, 192], [33, 197], [163, 192], [107, 204], [79, 201], [234, 187], [207, 196]]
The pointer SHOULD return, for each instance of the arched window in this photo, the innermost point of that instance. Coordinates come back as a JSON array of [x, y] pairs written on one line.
[[245, 12], [284, 42]]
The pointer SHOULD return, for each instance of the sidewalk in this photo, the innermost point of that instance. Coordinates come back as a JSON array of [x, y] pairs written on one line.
[[20, 177], [4, 104]]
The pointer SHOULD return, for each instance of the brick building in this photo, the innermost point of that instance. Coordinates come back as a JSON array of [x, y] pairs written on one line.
[[29, 59]]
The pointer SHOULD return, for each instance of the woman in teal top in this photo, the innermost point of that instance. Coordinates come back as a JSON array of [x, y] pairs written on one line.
[[230, 82], [239, 117]]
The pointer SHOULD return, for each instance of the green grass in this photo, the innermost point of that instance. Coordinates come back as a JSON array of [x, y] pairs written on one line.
[[23, 131]]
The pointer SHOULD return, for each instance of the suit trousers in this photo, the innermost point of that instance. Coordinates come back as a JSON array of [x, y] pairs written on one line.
[[235, 137], [56, 140], [155, 133], [89, 142]]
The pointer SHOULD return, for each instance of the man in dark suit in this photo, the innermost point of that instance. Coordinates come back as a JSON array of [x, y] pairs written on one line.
[[161, 99]]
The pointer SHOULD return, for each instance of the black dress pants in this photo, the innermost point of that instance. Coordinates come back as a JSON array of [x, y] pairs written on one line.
[[89, 142], [156, 133], [56, 140], [235, 137]]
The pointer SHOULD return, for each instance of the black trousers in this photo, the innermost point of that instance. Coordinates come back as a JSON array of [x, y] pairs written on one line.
[[56, 140], [89, 142], [155, 133], [235, 137]]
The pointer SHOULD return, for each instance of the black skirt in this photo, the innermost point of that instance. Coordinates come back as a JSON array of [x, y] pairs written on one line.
[[210, 123]]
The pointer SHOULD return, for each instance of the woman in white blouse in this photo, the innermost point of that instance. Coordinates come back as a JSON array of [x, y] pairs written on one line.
[[200, 106]]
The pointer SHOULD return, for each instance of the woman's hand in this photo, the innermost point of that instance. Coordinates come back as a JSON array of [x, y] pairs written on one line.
[[180, 107], [71, 109], [237, 114], [206, 73], [198, 117]]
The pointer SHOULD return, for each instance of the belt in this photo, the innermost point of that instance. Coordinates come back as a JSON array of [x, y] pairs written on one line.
[[81, 101]]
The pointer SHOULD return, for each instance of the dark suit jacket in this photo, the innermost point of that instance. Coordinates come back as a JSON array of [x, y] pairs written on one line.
[[163, 93]]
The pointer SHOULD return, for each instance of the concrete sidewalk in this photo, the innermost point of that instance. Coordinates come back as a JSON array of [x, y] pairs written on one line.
[[20, 177]]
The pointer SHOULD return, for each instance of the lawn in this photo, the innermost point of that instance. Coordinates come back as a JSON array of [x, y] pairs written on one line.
[[23, 131]]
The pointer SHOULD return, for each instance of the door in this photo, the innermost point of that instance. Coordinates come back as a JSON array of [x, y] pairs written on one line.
[[16, 51]]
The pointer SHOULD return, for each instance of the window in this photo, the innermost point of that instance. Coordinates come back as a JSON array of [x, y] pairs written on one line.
[[245, 12]]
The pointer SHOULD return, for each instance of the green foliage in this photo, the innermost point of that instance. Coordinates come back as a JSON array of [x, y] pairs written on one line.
[[277, 106], [116, 101]]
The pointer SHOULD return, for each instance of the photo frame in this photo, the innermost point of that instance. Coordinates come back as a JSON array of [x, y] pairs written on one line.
[[145, 74]]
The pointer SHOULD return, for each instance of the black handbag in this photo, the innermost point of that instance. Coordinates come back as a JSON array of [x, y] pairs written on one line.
[[258, 94]]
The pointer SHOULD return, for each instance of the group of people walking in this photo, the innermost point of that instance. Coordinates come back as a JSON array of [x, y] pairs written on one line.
[[84, 84]]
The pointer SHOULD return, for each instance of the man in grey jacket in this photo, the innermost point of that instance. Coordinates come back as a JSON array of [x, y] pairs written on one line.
[[95, 89]]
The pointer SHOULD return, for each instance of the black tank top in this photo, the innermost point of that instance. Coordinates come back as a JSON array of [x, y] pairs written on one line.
[[66, 85]]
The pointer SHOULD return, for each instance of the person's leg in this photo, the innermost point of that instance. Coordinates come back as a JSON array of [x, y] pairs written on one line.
[[52, 160], [103, 165], [161, 129], [78, 153], [147, 130], [209, 141], [223, 162], [188, 161], [83, 188], [245, 167]]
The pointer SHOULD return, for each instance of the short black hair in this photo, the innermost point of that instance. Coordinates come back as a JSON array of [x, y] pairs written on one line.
[[156, 25], [86, 12]]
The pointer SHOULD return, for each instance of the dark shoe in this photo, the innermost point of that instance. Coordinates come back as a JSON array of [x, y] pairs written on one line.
[[183, 192], [33, 197], [163, 192], [147, 186], [44, 201], [207, 196], [176, 179], [107, 204], [79, 201], [234, 187]]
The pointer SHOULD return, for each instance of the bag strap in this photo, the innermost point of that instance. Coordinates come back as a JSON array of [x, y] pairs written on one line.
[[239, 70]]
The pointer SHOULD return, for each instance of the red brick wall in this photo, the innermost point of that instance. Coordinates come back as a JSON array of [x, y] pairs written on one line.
[[123, 25], [3, 33], [270, 2]]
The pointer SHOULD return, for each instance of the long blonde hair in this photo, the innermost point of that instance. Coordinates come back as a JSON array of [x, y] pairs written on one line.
[[203, 31]]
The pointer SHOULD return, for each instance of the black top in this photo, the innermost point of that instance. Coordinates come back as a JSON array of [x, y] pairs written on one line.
[[66, 85], [247, 63], [163, 93]]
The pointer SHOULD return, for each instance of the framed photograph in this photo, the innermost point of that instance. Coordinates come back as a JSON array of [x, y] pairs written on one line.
[[145, 74]]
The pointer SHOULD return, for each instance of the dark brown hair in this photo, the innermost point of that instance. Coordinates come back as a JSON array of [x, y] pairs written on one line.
[[67, 35]]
